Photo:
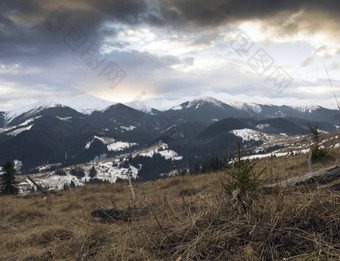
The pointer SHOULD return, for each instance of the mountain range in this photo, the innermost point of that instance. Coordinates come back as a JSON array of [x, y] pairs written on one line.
[[191, 132]]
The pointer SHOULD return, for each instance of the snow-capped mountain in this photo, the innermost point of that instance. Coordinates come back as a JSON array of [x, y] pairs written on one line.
[[307, 108], [27, 111], [139, 105], [197, 103], [53, 133], [242, 106], [208, 109], [83, 104]]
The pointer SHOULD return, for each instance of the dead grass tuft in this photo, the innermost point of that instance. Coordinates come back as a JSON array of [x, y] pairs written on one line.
[[50, 236], [27, 215], [71, 207], [188, 192]]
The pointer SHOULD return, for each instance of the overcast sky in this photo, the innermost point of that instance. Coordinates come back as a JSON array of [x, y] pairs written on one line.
[[167, 51]]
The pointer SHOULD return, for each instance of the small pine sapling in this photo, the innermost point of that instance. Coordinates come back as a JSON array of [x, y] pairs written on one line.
[[241, 176]]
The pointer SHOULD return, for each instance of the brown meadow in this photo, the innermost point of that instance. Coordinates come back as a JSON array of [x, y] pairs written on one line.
[[197, 221]]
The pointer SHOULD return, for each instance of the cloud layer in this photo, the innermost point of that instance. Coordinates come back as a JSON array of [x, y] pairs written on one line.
[[166, 48]]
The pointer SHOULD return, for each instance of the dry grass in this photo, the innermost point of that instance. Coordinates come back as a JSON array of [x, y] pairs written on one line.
[[297, 224]]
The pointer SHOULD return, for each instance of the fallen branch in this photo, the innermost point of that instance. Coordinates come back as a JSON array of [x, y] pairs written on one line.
[[43, 191], [319, 177]]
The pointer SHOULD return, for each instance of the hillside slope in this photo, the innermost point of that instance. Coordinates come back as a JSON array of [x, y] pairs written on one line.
[[197, 221]]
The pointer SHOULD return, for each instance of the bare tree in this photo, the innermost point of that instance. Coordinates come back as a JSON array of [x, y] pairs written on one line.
[[131, 188]]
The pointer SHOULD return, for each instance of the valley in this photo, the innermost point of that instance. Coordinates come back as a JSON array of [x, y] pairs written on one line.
[[152, 144]]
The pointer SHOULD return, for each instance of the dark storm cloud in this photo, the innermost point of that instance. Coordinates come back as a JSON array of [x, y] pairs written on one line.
[[18, 16], [48, 63], [23, 32], [22, 23], [214, 12], [45, 62]]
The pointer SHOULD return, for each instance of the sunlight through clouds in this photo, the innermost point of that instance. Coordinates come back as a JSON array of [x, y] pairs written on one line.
[[169, 48]]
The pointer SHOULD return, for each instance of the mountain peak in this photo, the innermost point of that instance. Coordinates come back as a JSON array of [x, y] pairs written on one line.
[[306, 108], [140, 106], [30, 110], [120, 107], [207, 99], [198, 102]]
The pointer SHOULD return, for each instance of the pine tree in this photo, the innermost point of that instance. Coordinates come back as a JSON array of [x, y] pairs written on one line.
[[315, 133], [8, 183], [78, 172], [318, 153], [241, 176], [72, 184], [93, 172]]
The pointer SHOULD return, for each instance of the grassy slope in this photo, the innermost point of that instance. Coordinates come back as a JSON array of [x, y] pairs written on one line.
[[302, 222]]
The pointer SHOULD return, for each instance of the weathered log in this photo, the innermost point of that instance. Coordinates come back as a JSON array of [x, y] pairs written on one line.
[[319, 177], [120, 213]]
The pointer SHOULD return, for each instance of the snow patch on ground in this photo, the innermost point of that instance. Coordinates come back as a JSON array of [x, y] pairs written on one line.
[[280, 114], [29, 121], [120, 145], [170, 154], [64, 119], [111, 144], [20, 130], [249, 134], [306, 108], [47, 166], [172, 173], [162, 150], [17, 166], [16, 129], [109, 171], [55, 182], [129, 128], [177, 108], [6, 129], [262, 126], [106, 171], [275, 153]]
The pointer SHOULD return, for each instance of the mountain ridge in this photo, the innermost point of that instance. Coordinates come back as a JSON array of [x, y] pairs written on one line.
[[198, 129]]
